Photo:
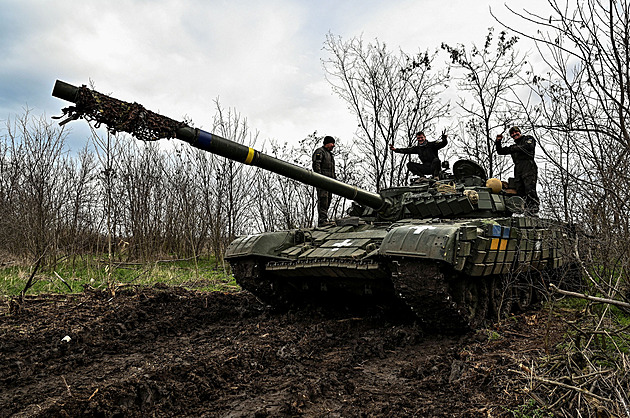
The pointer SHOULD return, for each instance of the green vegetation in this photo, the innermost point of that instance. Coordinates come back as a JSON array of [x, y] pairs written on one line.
[[70, 277], [569, 304], [611, 322], [529, 410], [493, 335]]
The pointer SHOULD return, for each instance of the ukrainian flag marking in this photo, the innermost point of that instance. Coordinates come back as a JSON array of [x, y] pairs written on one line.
[[250, 156]]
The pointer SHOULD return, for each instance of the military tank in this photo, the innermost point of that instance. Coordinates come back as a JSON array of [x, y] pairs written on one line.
[[453, 252]]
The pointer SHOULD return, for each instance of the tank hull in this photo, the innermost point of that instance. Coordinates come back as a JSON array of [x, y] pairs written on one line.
[[452, 274]]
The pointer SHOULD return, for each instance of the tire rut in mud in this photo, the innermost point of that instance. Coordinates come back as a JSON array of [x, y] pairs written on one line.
[[167, 352]]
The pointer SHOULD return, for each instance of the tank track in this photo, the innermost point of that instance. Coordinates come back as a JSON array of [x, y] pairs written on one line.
[[442, 301], [438, 300], [297, 289], [249, 274]]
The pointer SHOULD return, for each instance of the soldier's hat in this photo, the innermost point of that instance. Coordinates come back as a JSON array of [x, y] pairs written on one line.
[[515, 129]]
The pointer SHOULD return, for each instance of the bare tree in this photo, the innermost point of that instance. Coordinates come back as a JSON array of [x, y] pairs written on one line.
[[107, 151], [490, 77], [37, 181], [281, 202], [142, 168], [10, 173], [585, 111], [392, 97], [186, 224], [233, 181], [263, 212], [584, 93], [583, 117], [292, 199], [82, 234]]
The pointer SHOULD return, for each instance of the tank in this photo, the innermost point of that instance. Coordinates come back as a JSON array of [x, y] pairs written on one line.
[[453, 252]]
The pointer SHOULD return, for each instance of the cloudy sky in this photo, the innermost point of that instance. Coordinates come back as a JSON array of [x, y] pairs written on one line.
[[262, 58]]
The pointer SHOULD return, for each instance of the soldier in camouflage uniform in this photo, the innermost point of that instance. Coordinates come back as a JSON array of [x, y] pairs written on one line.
[[427, 152], [324, 163], [525, 168]]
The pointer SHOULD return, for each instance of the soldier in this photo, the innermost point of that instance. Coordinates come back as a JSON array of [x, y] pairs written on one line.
[[525, 168], [324, 163], [428, 153]]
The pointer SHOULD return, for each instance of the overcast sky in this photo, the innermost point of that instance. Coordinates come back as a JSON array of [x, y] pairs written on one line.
[[175, 57]]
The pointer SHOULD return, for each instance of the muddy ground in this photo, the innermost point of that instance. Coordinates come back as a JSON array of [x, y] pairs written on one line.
[[175, 352]]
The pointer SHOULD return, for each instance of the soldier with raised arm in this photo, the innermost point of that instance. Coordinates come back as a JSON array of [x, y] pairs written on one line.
[[427, 152], [525, 168]]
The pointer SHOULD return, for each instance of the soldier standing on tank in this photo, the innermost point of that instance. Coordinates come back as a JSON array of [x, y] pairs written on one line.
[[324, 163], [525, 168], [428, 154]]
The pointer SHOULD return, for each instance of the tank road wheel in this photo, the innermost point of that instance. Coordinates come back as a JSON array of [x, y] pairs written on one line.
[[444, 303], [251, 276], [471, 298], [500, 295]]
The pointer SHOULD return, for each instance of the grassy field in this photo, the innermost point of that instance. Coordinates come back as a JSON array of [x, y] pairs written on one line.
[[74, 275]]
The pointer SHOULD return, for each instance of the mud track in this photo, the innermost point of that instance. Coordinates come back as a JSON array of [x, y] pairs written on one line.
[[175, 352]]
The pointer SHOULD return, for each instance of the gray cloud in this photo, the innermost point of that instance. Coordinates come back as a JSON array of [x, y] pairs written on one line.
[[177, 56]]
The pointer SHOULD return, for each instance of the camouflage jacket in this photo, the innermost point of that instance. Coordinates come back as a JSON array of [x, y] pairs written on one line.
[[427, 152], [522, 150], [324, 162]]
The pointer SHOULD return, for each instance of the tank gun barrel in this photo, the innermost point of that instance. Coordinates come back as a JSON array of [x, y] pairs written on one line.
[[133, 118]]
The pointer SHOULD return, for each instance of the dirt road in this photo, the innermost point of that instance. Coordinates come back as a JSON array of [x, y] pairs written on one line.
[[175, 352]]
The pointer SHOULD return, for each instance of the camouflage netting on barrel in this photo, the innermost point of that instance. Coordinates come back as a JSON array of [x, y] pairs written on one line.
[[120, 116]]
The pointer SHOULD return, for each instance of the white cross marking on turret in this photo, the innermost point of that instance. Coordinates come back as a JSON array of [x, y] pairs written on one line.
[[419, 229], [346, 243]]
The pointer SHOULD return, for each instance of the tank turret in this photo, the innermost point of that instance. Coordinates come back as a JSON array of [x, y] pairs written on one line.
[[448, 251]]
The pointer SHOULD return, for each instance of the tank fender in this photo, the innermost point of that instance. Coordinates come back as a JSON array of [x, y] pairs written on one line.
[[429, 241], [269, 244]]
